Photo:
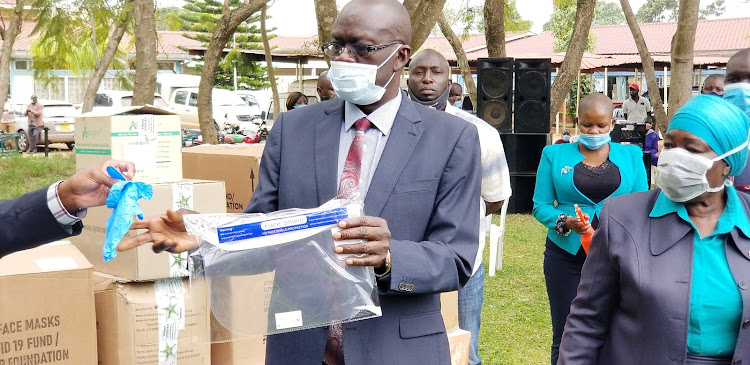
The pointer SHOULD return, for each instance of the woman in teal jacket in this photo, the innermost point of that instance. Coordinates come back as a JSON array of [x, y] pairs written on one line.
[[583, 173]]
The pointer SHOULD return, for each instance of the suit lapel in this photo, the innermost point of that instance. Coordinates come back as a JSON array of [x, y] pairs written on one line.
[[402, 141], [665, 231], [327, 134]]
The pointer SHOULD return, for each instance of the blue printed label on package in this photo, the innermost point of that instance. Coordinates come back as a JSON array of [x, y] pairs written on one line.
[[281, 225]]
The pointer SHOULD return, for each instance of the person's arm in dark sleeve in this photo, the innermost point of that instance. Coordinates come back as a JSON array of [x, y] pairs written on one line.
[[443, 262], [27, 222], [587, 326]]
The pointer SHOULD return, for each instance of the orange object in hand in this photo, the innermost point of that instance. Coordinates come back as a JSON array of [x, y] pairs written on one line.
[[586, 237]]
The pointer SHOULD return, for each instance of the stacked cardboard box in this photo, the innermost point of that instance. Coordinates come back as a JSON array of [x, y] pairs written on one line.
[[147, 136], [47, 307], [128, 319], [458, 339], [146, 312], [236, 165]]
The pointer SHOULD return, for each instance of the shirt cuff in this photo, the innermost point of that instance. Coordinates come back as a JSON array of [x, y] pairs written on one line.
[[65, 218]]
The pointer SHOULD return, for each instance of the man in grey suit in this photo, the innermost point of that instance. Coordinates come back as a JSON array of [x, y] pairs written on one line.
[[419, 174]]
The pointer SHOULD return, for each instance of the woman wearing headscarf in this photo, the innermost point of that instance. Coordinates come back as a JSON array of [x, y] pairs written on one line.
[[666, 280], [585, 173]]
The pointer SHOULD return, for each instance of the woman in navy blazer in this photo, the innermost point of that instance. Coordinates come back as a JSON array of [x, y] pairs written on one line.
[[668, 273], [583, 173]]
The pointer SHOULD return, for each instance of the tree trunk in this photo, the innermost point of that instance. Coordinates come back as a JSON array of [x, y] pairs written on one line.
[[144, 86], [572, 62], [423, 14], [494, 24], [9, 35], [681, 85], [269, 59], [463, 63], [94, 44], [326, 13], [225, 27], [648, 66], [102, 64]]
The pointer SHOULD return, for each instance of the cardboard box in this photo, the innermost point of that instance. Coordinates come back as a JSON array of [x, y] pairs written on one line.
[[229, 348], [459, 341], [47, 307], [145, 135], [142, 264], [236, 165], [449, 310], [128, 328]]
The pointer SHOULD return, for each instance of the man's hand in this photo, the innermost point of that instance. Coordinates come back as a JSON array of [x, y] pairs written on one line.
[[90, 187], [372, 229], [167, 232], [575, 224]]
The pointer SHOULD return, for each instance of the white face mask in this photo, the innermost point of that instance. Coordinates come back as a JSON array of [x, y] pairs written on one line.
[[355, 82], [681, 175]]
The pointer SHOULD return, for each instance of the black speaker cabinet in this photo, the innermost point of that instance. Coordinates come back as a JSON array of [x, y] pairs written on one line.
[[495, 92], [523, 193], [532, 95], [524, 150], [633, 133]]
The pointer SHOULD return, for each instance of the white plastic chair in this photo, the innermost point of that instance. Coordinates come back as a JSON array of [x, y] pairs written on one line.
[[497, 234]]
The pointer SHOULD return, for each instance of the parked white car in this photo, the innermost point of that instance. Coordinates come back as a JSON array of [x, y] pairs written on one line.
[[230, 112], [251, 99], [122, 98], [59, 117]]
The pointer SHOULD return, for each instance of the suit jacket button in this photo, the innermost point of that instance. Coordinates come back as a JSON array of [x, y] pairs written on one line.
[[746, 324], [743, 284]]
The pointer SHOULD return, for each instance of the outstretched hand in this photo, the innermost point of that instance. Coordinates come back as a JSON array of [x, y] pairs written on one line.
[[89, 188], [167, 232]]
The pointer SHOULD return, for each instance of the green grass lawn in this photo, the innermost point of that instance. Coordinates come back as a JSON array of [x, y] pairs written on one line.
[[23, 173], [516, 326], [515, 318]]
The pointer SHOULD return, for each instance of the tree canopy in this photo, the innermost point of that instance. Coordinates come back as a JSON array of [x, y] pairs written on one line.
[[199, 19], [608, 14], [470, 19], [666, 11], [562, 23]]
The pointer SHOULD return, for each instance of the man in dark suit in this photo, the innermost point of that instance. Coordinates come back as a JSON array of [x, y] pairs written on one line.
[[55, 212], [418, 170]]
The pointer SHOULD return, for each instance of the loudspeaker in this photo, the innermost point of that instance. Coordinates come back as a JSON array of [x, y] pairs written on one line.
[[524, 150], [523, 193], [532, 95], [495, 92]]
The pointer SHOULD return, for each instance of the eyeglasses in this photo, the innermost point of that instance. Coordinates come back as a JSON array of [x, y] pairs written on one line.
[[333, 49]]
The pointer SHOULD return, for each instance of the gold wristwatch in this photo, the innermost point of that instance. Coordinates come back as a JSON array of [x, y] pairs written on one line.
[[387, 265]]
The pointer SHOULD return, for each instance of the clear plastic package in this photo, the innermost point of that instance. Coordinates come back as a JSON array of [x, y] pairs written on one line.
[[278, 272]]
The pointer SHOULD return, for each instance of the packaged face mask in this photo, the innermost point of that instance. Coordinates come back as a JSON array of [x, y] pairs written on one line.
[[278, 272]]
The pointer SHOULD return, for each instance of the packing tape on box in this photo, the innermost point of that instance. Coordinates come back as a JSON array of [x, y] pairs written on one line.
[[170, 305], [182, 198]]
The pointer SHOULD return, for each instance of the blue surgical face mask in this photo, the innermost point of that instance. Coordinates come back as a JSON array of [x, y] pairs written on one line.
[[566, 138], [739, 95], [299, 106], [458, 104], [355, 82], [594, 141]]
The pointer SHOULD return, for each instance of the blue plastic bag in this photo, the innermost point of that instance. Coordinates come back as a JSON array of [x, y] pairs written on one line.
[[123, 199]]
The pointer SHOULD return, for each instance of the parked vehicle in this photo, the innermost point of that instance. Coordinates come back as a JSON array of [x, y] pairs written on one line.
[[230, 113], [167, 83], [122, 98], [59, 118], [251, 100]]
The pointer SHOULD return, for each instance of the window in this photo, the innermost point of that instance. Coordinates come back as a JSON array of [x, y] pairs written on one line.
[[22, 65], [126, 101], [165, 66], [103, 100], [193, 99], [180, 97]]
